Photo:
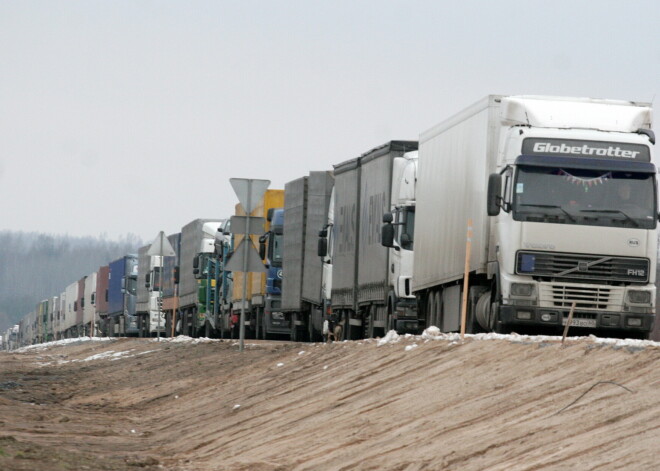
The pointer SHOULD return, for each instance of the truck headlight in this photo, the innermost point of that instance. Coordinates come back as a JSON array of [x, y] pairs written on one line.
[[639, 297], [521, 289]]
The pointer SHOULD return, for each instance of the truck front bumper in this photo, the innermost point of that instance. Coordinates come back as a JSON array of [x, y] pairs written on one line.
[[606, 320], [405, 318]]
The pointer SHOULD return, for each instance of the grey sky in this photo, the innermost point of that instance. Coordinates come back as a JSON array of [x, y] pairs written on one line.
[[131, 116]]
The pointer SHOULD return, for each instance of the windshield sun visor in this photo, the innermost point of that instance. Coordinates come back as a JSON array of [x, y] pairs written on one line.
[[587, 164]]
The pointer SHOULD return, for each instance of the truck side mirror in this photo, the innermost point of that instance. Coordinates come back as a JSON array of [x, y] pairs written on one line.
[[388, 218], [147, 280], [387, 235], [195, 262], [262, 249], [322, 250], [494, 196]]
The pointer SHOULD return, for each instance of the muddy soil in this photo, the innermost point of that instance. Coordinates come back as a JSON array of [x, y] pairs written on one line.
[[508, 404]]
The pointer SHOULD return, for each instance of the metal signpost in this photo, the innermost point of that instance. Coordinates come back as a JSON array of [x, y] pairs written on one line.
[[161, 247], [249, 192]]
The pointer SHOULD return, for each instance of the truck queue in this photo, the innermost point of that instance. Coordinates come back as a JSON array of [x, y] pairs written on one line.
[[561, 194]]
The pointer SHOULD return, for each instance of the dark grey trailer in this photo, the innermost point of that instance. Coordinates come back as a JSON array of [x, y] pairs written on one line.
[[306, 203], [360, 281]]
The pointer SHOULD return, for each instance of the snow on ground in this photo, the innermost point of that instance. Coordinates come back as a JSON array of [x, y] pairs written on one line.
[[430, 334], [186, 339], [57, 343]]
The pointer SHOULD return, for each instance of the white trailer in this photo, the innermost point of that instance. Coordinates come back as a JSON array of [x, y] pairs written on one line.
[[558, 238], [68, 323]]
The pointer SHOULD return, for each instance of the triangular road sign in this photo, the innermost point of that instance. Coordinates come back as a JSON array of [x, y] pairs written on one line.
[[249, 191], [161, 246]]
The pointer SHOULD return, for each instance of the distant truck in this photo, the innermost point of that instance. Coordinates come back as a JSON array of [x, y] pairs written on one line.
[[148, 293], [170, 280], [102, 297], [224, 280], [68, 321], [361, 293], [562, 197], [272, 320], [306, 206], [122, 289], [197, 247]]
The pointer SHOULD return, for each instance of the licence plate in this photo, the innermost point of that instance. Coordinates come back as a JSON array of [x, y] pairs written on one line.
[[590, 323]]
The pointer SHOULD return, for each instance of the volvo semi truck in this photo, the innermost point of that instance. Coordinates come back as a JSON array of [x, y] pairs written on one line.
[[561, 195]]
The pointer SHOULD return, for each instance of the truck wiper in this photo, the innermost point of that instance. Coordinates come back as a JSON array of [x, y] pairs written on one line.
[[569, 215], [611, 211]]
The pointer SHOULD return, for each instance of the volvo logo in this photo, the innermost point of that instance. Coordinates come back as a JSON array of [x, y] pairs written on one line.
[[583, 266], [633, 242]]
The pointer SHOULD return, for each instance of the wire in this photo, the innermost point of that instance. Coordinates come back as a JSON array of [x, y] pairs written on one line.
[[587, 391]]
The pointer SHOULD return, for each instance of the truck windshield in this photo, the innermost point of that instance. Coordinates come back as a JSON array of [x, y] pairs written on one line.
[[584, 197], [131, 284], [276, 255]]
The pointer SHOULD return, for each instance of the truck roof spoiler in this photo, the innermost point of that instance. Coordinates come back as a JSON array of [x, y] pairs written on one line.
[[647, 132]]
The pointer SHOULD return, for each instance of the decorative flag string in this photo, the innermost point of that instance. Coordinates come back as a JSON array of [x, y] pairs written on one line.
[[586, 183]]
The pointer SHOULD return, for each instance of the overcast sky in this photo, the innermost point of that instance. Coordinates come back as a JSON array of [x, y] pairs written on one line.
[[124, 117]]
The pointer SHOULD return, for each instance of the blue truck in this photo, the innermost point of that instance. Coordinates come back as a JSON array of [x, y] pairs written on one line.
[[273, 321], [122, 288]]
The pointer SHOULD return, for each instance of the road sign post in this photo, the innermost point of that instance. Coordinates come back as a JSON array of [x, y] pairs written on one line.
[[249, 192]]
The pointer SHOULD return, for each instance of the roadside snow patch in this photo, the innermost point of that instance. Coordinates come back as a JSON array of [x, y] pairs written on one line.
[[57, 343], [411, 347], [186, 339], [391, 337], [431, 333]]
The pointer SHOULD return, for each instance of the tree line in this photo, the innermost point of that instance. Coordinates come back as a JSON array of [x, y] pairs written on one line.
[[36, 266]]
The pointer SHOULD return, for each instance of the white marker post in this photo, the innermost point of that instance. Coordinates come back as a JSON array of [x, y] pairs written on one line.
[[468, 248], [162, 248]]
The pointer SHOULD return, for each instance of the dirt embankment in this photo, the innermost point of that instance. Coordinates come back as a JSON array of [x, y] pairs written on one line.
[[410, 405]]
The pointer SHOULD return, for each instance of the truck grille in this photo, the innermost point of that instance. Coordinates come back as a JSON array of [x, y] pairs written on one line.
[[602, 298], [582, 267]]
